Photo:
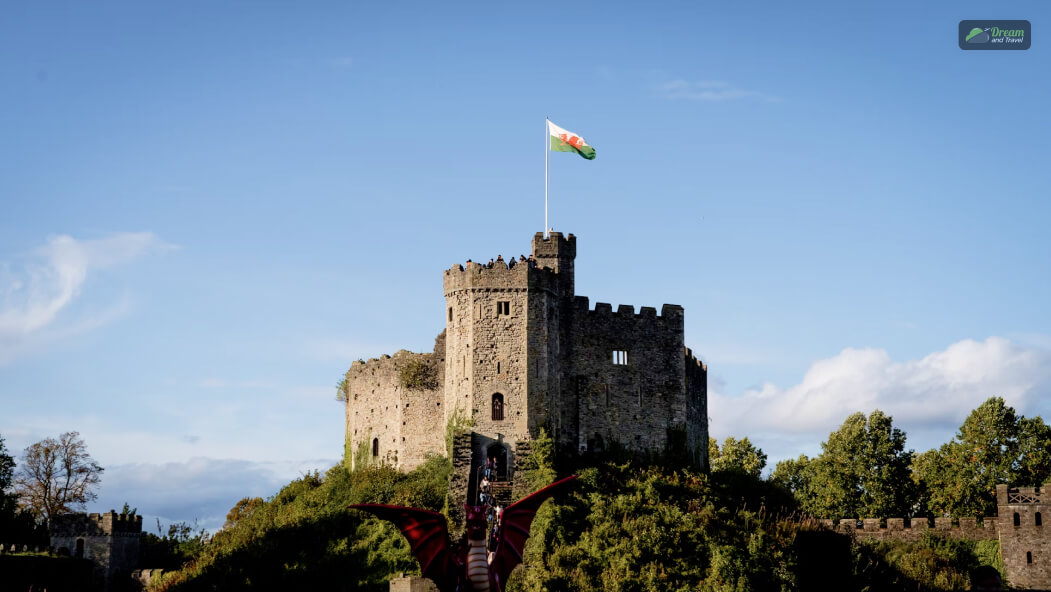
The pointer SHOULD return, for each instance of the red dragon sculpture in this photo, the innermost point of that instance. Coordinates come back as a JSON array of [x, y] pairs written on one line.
[[465, 567]]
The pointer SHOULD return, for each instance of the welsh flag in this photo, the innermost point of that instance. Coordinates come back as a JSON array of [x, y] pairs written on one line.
[[566, 141]]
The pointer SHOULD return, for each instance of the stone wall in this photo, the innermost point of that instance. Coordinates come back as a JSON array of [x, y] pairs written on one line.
[[696, 410], [1025, 540], [898, 529], [395, 425], [110, 541], [405, 583], [632, 404], [461, 482]]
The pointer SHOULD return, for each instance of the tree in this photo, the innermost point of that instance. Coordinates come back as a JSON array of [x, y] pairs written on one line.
[[863, 471], [736, 455], [7, 468], [994, 445], [792, 475], [56, 476]]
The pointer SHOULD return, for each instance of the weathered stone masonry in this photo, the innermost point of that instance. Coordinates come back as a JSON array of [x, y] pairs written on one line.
[[1025, 543], [521, 351], [110, 541]]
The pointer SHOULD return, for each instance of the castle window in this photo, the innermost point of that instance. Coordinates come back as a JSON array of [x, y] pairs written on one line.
[[498, 407], [620, 357], [375, 447], [79, 553], [450, 314], [498, 367], [503, 308], [638, 393], [1018, 519], [1039, 519], [605, 393], [1029, 557]]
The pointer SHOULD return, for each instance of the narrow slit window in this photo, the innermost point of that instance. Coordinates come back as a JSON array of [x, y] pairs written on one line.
[[1029, 557], [498, 367], [450, 314], [1018, 519], [605, 393], [503, 308], [620, 357], [1039, 519], [375, 447], [638, 394]]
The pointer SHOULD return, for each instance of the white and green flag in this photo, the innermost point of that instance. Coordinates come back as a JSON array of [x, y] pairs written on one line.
[[566, 141]]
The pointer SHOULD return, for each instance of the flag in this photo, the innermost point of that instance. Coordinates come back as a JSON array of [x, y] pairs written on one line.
[[566, 141]]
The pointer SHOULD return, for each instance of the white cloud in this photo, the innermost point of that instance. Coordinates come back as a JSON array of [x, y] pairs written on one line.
[[932, 393], [709, 90], [36, 289]]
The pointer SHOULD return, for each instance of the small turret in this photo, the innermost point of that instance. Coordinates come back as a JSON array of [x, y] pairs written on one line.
[[557, 253]]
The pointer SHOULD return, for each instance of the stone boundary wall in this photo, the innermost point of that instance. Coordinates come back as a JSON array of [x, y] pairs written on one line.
[[897, 529]]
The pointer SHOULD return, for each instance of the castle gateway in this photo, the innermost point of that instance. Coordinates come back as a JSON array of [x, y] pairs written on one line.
[[521, 351]]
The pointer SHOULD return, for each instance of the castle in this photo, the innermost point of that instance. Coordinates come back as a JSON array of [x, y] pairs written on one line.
[[521, 351], [110, 541]]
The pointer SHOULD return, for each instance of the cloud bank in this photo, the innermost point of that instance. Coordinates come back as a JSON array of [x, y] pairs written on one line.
[[935, 392]]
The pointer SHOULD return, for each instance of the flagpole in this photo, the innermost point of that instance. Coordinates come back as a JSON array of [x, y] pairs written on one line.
[[547, 164]]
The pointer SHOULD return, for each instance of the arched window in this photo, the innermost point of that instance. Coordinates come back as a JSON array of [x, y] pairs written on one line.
[[1018, 519], [375, 447], [498, 407], [1039, 519]]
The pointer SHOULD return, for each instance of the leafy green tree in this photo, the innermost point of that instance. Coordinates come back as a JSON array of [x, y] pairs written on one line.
[[57, 476], [863, 471], [792, 475], [994, 445], [736, 455], [7, 471]]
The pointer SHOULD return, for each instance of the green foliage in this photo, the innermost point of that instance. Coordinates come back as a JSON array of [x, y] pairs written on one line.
[[538, 467], [736, 455], [863, 471], [994, 445], [306, 538], [628, 527], [182, 543], [418, 374], [459, 423], [341, 389]]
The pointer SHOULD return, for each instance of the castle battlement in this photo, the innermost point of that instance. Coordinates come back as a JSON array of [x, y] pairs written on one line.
[[95, 524], [898, 529], [501, 276], [1010, 496], [604, 311]]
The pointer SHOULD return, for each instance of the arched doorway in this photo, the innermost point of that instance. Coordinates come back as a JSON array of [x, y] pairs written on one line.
[[499, 453]]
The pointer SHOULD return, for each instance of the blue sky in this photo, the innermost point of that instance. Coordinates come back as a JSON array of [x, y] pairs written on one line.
[[208, 211]]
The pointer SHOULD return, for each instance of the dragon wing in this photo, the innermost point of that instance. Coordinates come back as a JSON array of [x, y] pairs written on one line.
[[514, 532], [428, 536]]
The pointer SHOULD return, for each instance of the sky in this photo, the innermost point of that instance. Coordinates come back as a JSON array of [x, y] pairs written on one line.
[[209, 210]]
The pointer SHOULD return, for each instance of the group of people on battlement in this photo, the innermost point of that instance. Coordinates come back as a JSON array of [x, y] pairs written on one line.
[[510, 263], [493, 510]]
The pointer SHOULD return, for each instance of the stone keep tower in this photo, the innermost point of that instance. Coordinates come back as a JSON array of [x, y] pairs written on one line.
[[502, 344], [1025, 548], [110, 541]]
